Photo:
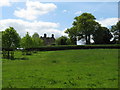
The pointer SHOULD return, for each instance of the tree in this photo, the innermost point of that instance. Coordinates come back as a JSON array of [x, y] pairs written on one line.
[[72, 33], [35, 35], [83, 26], [115, 29], [102, 35], [69, 42], [26, 42], [10, 40], [62, 40], [37, 42]]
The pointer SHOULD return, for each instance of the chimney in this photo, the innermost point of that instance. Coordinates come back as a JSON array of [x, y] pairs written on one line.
[[45, 35], [52, 35]]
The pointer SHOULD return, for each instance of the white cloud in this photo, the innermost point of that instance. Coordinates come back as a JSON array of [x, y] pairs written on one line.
[[8, 2], [108, 21], [24, 26], [18, 0], [78, 12], [34, 9], [4, 3], [64, 11], [78, 0]]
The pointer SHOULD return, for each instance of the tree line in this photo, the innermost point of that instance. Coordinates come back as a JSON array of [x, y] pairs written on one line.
[[84, 27], [11, 40]]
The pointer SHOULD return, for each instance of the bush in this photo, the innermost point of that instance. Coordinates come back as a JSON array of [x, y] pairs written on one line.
[[67, 47]]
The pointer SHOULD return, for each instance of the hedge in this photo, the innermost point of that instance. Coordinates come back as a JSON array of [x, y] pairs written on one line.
[[68, 47]]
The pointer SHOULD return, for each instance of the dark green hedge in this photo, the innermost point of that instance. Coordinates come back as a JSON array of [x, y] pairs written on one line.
[[67, 47]]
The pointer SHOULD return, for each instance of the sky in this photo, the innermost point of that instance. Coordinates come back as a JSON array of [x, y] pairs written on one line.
[[52, 17]]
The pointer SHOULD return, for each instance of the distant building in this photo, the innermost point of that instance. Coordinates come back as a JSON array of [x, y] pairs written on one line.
[[48, 40]]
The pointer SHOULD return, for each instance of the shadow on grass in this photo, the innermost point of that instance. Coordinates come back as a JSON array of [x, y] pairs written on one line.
[[22, 58]]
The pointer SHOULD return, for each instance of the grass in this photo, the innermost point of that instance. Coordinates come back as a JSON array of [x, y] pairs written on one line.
[[96, 68]]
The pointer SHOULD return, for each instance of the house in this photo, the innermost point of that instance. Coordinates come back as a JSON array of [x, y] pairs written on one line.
[[48, 40]]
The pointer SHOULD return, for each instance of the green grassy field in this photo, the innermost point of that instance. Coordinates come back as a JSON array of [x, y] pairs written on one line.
[[96, 68]]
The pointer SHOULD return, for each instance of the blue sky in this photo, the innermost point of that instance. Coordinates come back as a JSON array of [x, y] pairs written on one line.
[[54, 17], [65, 12], [101, 10]]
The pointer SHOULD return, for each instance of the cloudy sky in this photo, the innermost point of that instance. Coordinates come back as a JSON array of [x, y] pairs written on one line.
[[53, 17]]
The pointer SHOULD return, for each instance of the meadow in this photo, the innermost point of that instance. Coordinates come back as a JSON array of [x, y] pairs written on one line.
[[90, 68]]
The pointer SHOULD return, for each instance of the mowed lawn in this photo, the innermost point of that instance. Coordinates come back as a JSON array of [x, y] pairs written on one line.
[[92, 68]]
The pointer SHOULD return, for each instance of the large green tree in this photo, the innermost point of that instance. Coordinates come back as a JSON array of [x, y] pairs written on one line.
[[10, 40], [83, 26]]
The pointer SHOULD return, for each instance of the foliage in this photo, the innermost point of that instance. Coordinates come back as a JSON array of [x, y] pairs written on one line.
[[69, 41], [35, 35], [102, 35], [26, 42], [69, 47], [37, 42], [62, 40], [72, 33], [63, 69], [85, 25], [115, 29], [30, 42], [0, 40], [10, 40]]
